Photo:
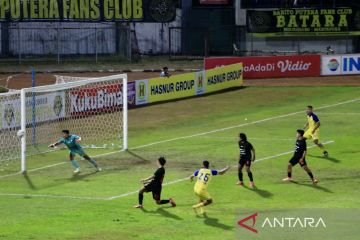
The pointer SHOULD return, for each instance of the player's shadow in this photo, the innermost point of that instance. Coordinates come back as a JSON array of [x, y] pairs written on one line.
[[82, 177], [261, 192], [29, 181], [331, 159], [142, 159], [59, 181], [62, 181], [214, 222], [163, 212], [317, 186], [329, 179]]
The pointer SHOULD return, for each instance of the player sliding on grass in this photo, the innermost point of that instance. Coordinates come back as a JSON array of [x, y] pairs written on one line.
[[154, 184], [72, 142], [299, 157], [204, 176], [312, 128], [247, 155]]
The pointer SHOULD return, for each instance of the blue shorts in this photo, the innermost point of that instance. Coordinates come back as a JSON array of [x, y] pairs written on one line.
[[78, 151]]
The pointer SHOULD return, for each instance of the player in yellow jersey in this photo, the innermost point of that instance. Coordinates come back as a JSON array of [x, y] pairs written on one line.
[[312, 128], [204, 176]]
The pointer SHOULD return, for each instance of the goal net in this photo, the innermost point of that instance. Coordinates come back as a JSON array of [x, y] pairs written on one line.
[[66, 79], [95, 109]]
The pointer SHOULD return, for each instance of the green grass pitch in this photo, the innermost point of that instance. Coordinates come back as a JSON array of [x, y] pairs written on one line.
[[52, 204]]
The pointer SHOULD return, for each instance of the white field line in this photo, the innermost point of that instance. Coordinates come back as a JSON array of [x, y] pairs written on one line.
[[135, 192], [204, 133], [253, 138], [339, 113], [242, 125], [184, 179]]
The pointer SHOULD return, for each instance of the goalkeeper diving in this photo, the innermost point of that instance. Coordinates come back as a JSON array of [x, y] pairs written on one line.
[[72, 142]]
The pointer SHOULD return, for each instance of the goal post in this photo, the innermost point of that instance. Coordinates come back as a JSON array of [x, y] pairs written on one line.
[[94, 108]]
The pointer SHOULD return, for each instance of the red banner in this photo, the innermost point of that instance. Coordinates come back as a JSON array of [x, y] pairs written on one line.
[[271, 66], [99, 99]]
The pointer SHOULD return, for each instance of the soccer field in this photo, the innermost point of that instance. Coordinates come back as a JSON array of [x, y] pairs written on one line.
[[51, 203]]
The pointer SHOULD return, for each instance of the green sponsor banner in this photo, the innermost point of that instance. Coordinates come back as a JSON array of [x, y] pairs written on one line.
[[304, 22]]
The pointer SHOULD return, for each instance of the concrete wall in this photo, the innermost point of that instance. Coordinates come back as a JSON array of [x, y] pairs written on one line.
[[43, 38], [153, 38]]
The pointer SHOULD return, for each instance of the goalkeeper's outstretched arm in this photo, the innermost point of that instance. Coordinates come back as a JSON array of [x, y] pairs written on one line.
[[54, 144]]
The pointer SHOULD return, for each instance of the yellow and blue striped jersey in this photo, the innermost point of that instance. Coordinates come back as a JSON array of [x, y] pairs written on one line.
[[204, 176], [312, 120]]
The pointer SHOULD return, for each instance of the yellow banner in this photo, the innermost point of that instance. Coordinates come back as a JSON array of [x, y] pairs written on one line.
[[178, 86], [188, 84], [224, 77]]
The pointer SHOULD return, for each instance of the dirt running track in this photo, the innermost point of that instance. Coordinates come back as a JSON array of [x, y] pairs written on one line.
[[24, 80]]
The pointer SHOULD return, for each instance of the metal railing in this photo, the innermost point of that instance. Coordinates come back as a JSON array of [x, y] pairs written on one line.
[[197, 43]]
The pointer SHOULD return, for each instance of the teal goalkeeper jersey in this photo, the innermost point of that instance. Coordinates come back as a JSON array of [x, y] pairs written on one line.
[[70, 142]]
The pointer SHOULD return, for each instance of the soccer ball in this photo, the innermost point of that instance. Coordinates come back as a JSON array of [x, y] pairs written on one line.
[[20, 133]]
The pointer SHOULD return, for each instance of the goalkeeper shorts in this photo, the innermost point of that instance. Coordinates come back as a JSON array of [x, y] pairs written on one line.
[[80, 152]]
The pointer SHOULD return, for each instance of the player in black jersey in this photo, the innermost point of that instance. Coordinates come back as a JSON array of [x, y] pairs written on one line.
[[299, 157], [247, 155], [154, 184]]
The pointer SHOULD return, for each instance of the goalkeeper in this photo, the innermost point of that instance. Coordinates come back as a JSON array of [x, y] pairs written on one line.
[[72, 142]]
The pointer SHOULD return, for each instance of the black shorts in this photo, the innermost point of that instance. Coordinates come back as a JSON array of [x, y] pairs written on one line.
[[156, 190], [293, 161], [245, 162]]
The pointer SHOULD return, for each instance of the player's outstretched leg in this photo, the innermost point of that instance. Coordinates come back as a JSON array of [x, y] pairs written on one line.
[[74, 163], [240, 175], [313, 179], [141, 198], [166, 201], [93, 162], [250, 175], [321, 146], [289, 174]]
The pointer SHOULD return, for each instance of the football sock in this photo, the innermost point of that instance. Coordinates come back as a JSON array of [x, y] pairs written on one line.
[[199, 205], [93, 162], [74, 163], [164, 201], [240, 174], [289, 174], [250, 176], [311, 175], [141, 198]]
